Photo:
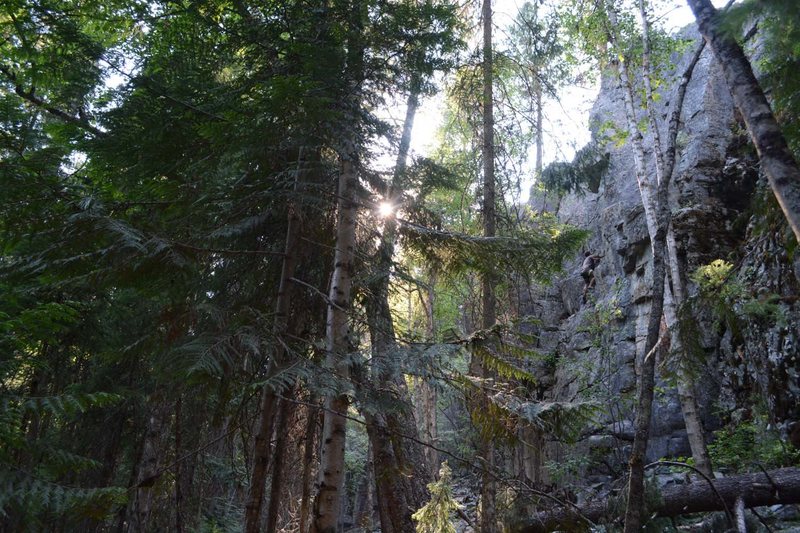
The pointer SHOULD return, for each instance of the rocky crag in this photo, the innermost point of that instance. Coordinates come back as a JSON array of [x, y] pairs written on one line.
[[721, 210]]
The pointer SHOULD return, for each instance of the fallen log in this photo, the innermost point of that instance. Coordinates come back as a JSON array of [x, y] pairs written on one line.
[[773, 487]]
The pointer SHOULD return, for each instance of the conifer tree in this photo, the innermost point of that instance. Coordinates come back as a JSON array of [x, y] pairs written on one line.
[[435, 516]]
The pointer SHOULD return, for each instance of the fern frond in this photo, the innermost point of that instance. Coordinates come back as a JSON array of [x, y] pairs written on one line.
[[565, 420], [65, 405], [36, 495], [285, 378], [502, 367]]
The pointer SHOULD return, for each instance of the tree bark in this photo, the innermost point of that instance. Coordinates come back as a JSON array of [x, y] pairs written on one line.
[[330, 481], [657, 215], [488, 520], [308, 465], [327, 504], [776, 158], [774, 487], [285, 413], [178, 467], [427, 391], [674, 292], [363, 508], [147, 470], [266, 408]]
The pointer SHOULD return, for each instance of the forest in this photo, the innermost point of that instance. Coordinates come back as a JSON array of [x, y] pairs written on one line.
[[238, 292]]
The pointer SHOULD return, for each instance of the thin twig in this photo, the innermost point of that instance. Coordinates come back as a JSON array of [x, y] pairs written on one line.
[[761, 519], [225, 251], [319, 292]]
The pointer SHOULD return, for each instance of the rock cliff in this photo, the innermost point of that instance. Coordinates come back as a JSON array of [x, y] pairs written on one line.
[[721, 210]]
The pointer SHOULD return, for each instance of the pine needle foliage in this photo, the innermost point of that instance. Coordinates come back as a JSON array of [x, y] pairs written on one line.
[[536, 250], [435, 516]]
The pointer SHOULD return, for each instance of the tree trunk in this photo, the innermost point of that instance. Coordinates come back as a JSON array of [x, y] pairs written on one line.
[[674, 292], [285, 413], [266, 408], [178, 467], [308, 465], [657, 215], [147, 470], [539, 128], [775, 487], [327, 504], [399, 464], [776, 158], [395, 502], [488, 520], [330, 481], [363, 509], [426, 399]]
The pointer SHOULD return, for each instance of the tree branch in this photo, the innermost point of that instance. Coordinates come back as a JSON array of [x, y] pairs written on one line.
[[29, 96]]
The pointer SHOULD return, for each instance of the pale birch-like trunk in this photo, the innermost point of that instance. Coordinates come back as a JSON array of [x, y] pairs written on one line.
[[327, 505], [330, 481], [776, 159], [656, 214], [674, 293]]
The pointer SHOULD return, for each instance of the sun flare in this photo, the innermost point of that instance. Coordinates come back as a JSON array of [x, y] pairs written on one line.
[[385, 209]]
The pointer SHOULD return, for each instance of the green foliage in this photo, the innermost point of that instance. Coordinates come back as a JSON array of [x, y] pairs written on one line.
[[739, 446], [583, 173], [731, 301], [537, 250], [144, 226], [43, 489], [501, 356], [434, 516], [564, 420], [566, 469]]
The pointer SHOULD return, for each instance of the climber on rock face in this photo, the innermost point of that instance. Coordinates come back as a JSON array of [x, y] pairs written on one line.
[[590, 262]]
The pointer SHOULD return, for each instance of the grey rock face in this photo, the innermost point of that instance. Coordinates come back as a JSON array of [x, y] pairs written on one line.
[[597, 345]]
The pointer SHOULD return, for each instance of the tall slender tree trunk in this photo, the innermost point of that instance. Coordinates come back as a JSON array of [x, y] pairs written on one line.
[[178, 467], [285, 413], [488, 520], [147, 470], [308, 465], [776, 159], [327, 504], [399, 464], [656, 214], [428, 396], [261, 450], [674, 292], [330, 481], [539, 126], [363, 508]]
